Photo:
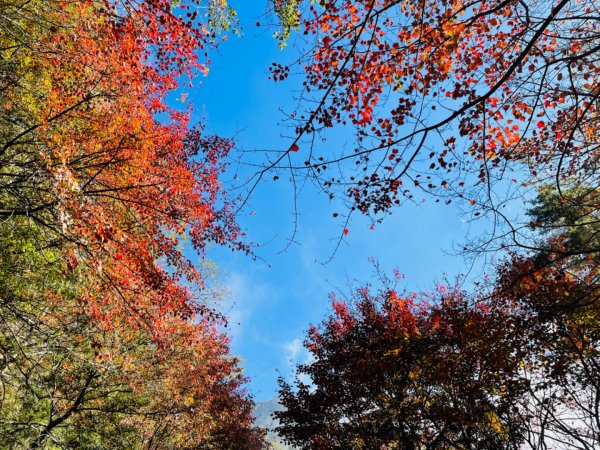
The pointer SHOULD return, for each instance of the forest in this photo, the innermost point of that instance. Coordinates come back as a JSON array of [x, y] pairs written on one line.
[[121, 197]]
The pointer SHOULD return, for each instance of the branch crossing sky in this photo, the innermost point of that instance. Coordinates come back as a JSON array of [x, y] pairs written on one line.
[[282, 292]]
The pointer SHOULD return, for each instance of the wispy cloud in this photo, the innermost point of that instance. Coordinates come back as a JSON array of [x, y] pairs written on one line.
[[294, 350], [295, 353], [244, 297]]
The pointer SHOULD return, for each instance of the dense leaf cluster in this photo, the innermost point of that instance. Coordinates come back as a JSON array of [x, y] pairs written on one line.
[[104, 339], [514, 367]]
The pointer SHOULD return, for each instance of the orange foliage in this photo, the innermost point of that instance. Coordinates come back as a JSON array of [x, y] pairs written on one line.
[[123, 186], [479, 84]]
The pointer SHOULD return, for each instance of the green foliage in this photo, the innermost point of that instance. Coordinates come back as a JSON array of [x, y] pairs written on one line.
[[571, 218], [67, 382], [288, 14], [222, 17], [50, 353]]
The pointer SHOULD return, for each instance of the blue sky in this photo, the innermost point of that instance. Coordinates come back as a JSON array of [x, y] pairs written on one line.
[[274, 298]]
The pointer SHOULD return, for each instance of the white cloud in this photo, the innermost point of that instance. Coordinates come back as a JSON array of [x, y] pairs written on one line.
[[293, 350], [296, 353], [244, 297]]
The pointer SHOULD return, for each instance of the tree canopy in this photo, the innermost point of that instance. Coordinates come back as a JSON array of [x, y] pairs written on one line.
[[447, 100], [512, 367], [110, 194], [105, 338]]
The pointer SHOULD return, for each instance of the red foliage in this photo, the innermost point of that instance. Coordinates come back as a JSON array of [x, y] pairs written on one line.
[[126, 187], [410, 371], [478, 84]]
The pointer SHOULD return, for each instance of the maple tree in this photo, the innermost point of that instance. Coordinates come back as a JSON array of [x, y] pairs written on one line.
[[105, 340], [513, 368], [85, 156], [408, 371], [445, 98]]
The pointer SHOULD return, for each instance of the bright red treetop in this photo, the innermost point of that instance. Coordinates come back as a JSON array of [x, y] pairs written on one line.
[[409, 371]]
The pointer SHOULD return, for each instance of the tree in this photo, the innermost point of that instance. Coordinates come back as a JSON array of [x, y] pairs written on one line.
[[71, 382], [567, 228], [486, 102], [84, 155], [559, 286], [104, 339], [514, 365], [409, 372], [444, 98]]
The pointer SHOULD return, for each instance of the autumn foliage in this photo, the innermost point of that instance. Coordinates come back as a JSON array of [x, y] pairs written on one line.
[[444, 98], [109, 192], [105, 342], [408, 371], [514, 368], [490, 103], [513, 365], [118, 186]]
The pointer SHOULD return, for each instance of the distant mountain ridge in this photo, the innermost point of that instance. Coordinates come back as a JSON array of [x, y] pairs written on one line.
[[263, 419]]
